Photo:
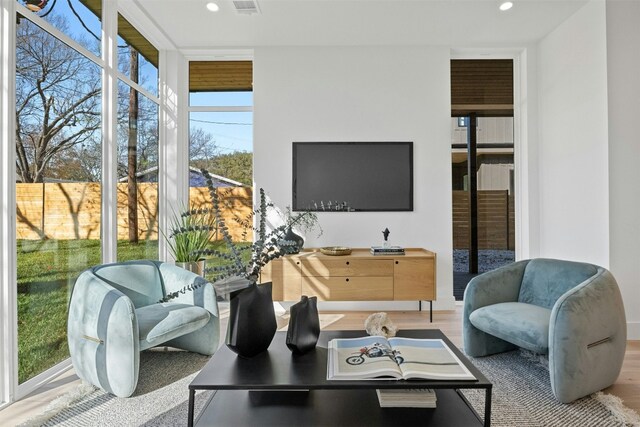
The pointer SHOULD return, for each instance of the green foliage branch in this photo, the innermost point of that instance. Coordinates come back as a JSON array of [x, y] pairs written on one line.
[[268, 245]]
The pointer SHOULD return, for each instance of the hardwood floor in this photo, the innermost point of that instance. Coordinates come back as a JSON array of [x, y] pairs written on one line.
[[627, 387]]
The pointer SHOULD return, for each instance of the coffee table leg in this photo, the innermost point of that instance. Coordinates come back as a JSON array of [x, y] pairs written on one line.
[[487, 407], [192, 395]]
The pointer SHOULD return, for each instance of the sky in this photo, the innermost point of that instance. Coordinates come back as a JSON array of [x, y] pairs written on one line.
[[231, 131]]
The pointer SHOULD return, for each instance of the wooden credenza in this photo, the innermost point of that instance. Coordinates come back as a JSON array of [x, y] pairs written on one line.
[[359, 276]]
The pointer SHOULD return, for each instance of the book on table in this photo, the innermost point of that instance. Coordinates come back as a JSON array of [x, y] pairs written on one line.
[[407, 398], [377, 357], [387, 250]]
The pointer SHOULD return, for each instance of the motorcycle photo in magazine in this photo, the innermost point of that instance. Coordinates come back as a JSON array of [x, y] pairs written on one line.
[[379, 358]]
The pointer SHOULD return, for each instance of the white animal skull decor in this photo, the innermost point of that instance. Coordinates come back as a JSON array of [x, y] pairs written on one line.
[[380, 324]]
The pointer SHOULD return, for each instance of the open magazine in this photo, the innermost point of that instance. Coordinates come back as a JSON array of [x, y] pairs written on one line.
[[377, 357]]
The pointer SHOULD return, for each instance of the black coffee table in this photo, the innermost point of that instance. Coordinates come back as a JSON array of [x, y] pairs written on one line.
[[278, 388]]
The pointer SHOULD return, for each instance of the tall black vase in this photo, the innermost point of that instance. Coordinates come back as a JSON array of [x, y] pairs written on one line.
[[252, 320]]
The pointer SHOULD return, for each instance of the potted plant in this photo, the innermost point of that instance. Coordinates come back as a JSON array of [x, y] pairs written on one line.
[[190, 232], [252, 322]]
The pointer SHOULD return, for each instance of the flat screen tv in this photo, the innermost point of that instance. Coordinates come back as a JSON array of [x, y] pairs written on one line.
[[353, 176]]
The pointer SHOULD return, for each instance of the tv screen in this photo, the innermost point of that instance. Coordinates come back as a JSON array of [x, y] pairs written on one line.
[[353, 176]]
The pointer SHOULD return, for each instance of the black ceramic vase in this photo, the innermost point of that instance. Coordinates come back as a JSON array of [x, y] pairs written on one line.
[[252, 320], [304, 325], [290, 235]]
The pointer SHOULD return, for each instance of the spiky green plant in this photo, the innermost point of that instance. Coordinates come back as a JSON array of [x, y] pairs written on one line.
[[191, 231]]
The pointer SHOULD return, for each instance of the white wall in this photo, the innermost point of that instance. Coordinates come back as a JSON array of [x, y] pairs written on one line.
[[623, 60], [572, 150], [361, 94]]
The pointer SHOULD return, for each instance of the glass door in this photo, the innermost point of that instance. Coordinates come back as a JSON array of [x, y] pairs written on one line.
[[483, 196]]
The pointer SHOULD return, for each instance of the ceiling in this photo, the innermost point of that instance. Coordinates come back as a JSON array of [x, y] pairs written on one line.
[[456, 23]]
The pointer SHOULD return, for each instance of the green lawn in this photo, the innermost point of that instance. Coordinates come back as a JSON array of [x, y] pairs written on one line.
[[47, 270]]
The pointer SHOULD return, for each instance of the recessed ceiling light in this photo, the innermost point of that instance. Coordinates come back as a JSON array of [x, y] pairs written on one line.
[[213, 7], [506, 5]]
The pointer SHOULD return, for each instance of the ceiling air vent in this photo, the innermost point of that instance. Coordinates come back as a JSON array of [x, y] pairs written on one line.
[[246, 6]]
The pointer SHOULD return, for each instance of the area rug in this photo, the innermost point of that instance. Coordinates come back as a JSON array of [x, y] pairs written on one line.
[[522, 397]]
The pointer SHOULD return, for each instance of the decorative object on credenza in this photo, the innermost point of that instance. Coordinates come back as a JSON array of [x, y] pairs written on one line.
[[385, 242], [335, 250], [296, 238], [380, 324], [389, 250], [252, 320], [305, 222], [304, 325]]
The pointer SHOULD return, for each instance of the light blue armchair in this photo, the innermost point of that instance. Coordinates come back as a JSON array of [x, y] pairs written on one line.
[[114, 314], [572, 311]]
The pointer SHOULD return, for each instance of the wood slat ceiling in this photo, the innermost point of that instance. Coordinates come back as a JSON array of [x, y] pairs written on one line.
[[484, 86], [127, 32], [137, 40], [207, 76]]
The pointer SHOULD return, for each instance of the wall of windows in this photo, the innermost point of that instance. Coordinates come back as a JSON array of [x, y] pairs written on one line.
[[60, 165]]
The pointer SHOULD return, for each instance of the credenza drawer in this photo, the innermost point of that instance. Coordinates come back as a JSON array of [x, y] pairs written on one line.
[[348, 288], [323, 267]]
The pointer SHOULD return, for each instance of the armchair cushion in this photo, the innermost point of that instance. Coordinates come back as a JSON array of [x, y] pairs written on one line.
[[159, 323], [545, 280], [524, 325]]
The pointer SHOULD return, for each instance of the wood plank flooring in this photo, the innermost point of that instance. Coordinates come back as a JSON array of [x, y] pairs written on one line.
[[627, 387]]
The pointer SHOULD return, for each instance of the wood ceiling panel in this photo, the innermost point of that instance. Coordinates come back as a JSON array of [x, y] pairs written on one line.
[[207, 76], [127, 32], [482, 85]]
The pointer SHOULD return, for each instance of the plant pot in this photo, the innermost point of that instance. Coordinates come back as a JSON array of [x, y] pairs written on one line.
[[194, 266], [252, 320], [299, 241]]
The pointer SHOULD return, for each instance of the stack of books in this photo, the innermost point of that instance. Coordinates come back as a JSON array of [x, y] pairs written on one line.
[[387, 250], [407, 398]]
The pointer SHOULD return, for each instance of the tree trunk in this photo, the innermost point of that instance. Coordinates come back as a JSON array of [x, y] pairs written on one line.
[[132, 151]]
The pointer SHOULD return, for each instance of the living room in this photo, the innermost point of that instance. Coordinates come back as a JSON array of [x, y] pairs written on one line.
[[381, 72]]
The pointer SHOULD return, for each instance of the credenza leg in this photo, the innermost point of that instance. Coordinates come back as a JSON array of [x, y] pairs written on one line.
[[430, 311]]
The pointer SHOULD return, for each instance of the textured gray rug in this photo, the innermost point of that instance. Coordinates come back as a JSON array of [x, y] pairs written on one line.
[[522, 397]]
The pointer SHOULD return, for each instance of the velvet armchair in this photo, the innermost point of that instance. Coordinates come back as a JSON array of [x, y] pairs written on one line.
[[115, 313], [569, 310]]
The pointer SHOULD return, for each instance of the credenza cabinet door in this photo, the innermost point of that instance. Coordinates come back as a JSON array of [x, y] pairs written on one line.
[[323, 267], [414, 279], [349, 288]]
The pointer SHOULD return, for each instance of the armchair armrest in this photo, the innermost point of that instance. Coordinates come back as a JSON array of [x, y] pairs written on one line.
[[103, 335], [587, 327], [175, 278], [207, 339], [493, 287]]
